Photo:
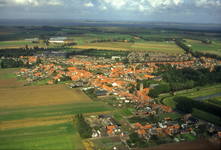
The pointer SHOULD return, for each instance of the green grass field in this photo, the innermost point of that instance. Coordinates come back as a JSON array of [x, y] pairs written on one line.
[[204, 91], [7, 76], [206, 116], [0, 65], [57, 136], [80, 41], [187, 137], [50, 111], [126, 112], [172, 116], [207, 48], [117, 116]]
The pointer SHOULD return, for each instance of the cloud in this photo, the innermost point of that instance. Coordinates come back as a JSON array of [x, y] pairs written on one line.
[[104, 8], [88, 4], [116, 4]]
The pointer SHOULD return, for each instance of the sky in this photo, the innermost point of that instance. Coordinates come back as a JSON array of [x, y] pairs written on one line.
[[189, 11]]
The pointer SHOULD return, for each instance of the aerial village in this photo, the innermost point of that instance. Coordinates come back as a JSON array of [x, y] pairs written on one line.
[[111, 82]]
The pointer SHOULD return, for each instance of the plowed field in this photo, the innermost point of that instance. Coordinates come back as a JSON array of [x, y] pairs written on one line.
[[40, 96]]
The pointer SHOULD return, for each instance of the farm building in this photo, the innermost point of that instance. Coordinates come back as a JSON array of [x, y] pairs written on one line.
[[56, 41]]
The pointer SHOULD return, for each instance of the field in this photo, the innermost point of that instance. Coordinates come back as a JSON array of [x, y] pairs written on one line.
[[56, 136], [126, 112], [205, 48], [206, 116], [19, 43], [216, 100], [106, 45], [7, 79], [37, 117], [40, 96], [157, 47]]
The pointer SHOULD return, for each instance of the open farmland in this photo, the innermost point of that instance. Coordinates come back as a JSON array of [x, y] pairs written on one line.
[[106, 45], [157, 47], [204, 48], [56, 136], [40, 96]]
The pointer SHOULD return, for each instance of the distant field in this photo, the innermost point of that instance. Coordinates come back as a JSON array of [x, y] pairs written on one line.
[[56, 136], [19, 43], [106, 46], [205, 48], [40, 95], [157, 47]]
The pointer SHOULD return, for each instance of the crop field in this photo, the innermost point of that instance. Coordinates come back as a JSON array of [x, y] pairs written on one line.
[[56, 136], [205, 48], [157, 47], [106, 45], [40, 95]]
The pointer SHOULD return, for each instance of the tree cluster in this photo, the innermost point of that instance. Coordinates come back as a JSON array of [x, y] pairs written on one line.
[[134, 138], [145, 84], [206, 42], [187, 78], [162, 88], [186, 104], [83, 128]]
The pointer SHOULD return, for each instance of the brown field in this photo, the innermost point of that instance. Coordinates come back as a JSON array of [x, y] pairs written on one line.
[[40, 96], [203, 144], [10, 83], [42, 121]]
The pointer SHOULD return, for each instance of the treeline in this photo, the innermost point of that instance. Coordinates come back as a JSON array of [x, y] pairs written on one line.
[[161, 88], [15, 63], [11, 63], [84, 129], [157, 39], [186, 104]]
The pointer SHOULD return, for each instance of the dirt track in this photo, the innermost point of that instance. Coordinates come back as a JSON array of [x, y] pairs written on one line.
[[203, 144]]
